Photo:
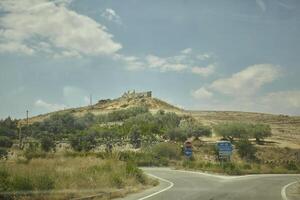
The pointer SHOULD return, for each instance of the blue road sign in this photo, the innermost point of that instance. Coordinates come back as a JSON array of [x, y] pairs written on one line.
[[224, 147], [188, 152]]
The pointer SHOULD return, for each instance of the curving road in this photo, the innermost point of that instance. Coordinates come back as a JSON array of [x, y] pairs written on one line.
[[185, 185]]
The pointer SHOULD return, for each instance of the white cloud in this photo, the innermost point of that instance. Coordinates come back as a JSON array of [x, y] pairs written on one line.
[[53, 23], [131, 62], [12, 47], [204, 71], [111, 15], [185, 60], [204, 56], [165, 64], [243, 93], [186, 51], [202, 93], [247, 81], [48, 106], [283, 99]]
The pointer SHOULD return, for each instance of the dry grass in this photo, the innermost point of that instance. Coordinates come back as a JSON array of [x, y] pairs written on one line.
[[70, 177], [285, 129]]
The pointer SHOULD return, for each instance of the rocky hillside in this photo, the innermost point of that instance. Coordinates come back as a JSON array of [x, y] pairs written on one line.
[[127, 100]]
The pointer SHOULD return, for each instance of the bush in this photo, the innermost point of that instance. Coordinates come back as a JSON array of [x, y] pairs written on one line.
[[176, 134], [292, 166], [117, 181], [133, 170], [33, 151], [3, 153], [47, 143], [167, 150], [4, 180], [246, 150], [83, 142], [5, 142]]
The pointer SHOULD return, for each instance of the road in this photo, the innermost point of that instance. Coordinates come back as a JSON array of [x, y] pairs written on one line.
[[184, 185]]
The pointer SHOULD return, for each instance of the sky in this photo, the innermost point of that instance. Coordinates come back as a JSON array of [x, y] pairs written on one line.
[[196, 54]]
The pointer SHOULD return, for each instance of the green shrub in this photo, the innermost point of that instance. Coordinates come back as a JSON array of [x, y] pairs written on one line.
[[133, 170], [167, 150], [117, 181], [291, 166], [47, 143], [246, 150], [3, 153], [29, 154], [22, 183], [247, 166], [4, 180], [44, 182], [83, 141], [5, 142]]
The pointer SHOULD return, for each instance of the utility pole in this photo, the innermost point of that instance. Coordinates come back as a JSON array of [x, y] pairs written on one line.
[[20, 135], [27, 118], [91, 100]]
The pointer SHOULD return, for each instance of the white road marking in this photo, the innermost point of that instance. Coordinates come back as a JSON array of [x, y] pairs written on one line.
[[160, 191], [283, 190], [224, 176]]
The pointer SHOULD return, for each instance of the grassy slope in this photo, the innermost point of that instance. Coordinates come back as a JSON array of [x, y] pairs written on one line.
[[285, 129]]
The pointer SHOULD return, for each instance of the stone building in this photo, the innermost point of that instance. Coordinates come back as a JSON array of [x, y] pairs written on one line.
[[133, 94]]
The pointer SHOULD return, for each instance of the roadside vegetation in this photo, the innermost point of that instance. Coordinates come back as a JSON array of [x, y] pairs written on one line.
[[67, 177], [103, 152]]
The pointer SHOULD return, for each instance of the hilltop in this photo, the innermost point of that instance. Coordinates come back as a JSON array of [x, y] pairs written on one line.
[[127, 100]]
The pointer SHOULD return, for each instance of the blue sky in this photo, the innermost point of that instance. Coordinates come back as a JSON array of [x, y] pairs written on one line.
[[202, 55]]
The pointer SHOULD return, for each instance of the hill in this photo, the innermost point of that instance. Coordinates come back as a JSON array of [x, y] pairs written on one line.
[[285, 129], [127, 100]]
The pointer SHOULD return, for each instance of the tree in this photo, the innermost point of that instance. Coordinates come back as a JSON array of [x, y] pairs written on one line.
[[176, 134], [233, 130], [135, 137], [5, 142], [83, 142], [260, 131], [47, 143], [246, 150], [193, 128], [8, 127]]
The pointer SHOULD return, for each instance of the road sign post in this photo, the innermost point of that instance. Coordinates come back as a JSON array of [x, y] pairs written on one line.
[[224, 150], [188, 149]]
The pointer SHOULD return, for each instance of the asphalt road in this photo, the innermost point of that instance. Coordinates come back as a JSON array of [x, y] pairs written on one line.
[[183, 185]]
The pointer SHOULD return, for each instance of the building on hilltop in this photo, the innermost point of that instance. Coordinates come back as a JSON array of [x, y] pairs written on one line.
[[133, 94]]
